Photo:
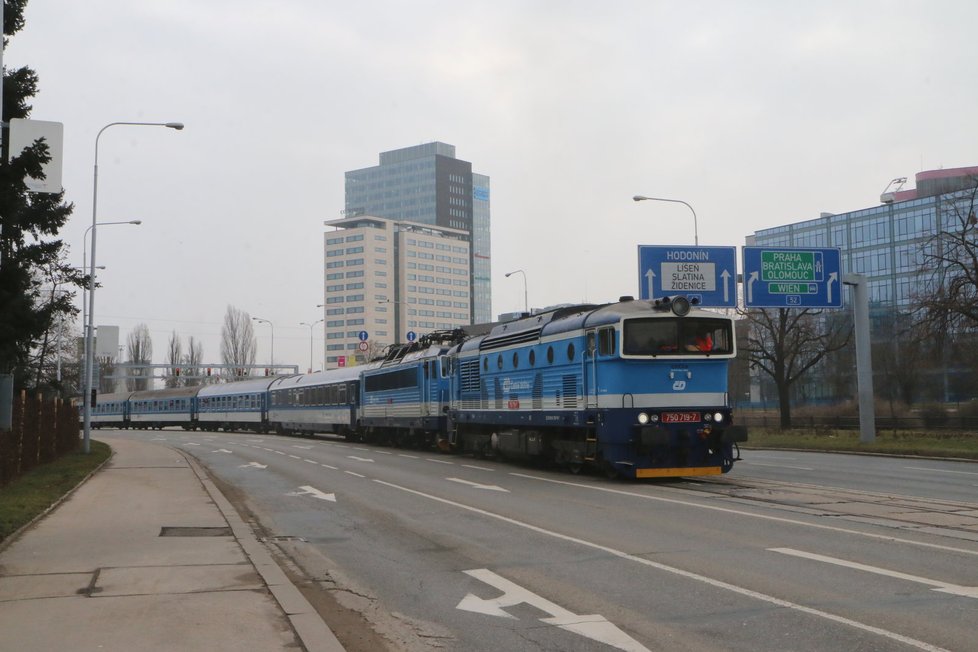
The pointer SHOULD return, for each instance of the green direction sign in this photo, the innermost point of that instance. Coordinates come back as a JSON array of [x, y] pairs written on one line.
[[788, 266]]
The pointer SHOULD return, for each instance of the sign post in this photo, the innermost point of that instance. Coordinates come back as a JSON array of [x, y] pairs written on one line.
[[704, 274]]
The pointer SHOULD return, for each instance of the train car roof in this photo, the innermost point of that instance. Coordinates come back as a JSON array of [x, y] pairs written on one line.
[[339, 375], [114, 396], [238, 387], [170, 392]]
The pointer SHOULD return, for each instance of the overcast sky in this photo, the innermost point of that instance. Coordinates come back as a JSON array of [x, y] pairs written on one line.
[[756, 113]]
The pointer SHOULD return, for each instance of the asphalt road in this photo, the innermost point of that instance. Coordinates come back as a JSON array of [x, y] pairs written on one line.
[[790, 551]]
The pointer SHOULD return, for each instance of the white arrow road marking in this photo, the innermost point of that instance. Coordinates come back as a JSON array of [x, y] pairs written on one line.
[[315, 493], [190, 443], [221, 450], [594, 627], [942, 587], [253, 465], [360, 459], [476, 485]]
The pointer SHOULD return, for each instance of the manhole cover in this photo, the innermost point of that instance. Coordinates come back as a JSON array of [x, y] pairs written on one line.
[[177, 531]]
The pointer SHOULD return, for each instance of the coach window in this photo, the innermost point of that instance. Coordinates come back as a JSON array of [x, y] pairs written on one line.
[[550, 355], [570, 351], [341, 396]]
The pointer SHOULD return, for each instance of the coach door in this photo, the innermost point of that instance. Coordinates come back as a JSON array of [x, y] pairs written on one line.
[[429, 389]]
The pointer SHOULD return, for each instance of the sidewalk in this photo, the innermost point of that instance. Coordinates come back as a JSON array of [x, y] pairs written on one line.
[[149, 555]]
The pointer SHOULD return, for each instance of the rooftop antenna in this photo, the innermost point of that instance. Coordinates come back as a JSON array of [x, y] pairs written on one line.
[[888, 196]]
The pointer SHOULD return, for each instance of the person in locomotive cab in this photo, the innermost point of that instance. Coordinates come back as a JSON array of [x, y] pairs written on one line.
[[700, 342]]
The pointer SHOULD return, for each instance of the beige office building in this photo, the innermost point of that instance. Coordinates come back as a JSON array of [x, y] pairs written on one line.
[[391, 281]]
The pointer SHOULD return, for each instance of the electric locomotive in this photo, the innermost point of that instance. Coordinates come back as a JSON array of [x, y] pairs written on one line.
[[636, 388]]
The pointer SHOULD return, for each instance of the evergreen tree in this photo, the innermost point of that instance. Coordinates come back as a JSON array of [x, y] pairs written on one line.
[[30, 254]]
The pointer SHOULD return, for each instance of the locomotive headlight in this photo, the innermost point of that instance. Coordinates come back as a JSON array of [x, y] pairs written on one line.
[[643, 418], [718, 417]]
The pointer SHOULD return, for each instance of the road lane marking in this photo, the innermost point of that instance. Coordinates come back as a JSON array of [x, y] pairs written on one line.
[[327, 466], [359, 459], [476, 485], [410, 457], [253, 465], [943, 587], [306, 490], [779, 466], [720, 584], [431, 459], [310, 461], [221, 450], [355, 474], [477, 468], [763, 517], [595, 627], [921, 468]]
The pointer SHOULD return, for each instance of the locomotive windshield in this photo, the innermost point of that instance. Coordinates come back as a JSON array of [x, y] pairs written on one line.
[[686, 336]]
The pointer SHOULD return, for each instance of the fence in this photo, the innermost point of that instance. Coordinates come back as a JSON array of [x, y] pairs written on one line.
[[42, 431]]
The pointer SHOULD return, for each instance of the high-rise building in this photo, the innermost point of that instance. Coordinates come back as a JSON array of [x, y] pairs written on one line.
[[894, 245], [426, 184], [389, 281]]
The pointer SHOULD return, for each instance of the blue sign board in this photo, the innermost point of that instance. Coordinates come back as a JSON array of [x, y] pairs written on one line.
[[792, 277], [706, 274], [363, 335], [411, 336]]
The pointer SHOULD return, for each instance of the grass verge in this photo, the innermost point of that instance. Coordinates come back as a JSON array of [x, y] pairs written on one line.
[[952, 445], [29, 495]]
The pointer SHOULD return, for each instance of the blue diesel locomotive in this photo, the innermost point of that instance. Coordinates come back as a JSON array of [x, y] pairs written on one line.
[[637, 389]]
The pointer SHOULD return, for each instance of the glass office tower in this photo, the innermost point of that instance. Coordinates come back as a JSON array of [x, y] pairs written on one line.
[[426, 184]]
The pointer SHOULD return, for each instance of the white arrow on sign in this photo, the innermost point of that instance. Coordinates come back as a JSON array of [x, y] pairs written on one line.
[[833, 277], [750, 286], [594, 627], [476, 485], [650, 275], [315, 493], [253, 465], [725, 275]]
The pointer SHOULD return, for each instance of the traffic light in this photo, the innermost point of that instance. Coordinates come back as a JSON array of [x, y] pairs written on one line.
[[208, 371]]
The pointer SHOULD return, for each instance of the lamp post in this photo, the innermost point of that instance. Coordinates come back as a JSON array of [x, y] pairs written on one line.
[[302, 323], [271, 363], [89, 344], [696, 233], [526, 303]]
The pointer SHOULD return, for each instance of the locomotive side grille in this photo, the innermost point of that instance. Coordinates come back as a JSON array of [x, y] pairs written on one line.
[[538, 391], [570, 391], [469, 371], [509, 339]]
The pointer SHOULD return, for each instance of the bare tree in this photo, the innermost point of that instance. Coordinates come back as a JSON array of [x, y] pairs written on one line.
[[785, 344], [950, 300], [174, 357], [140, 350], [238, 343], [191, 362]]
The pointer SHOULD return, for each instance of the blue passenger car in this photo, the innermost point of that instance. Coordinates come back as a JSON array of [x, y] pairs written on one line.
[[164, 407], [241, 405], [325, 401]]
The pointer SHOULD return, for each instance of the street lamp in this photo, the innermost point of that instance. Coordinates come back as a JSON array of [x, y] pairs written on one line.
[[526, 304], [272, 354], [89, 344], [696, 234], [302, 323]]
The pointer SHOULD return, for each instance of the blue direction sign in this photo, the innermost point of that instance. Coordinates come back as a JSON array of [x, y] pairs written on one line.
[[708, 274], [411, 336], [363, 335], [792, 277]]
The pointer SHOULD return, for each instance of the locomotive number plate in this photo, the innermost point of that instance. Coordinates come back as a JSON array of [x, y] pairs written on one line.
[[680, 417]]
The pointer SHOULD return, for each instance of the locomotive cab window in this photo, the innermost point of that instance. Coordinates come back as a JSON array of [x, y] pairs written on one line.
[[677, 336]]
